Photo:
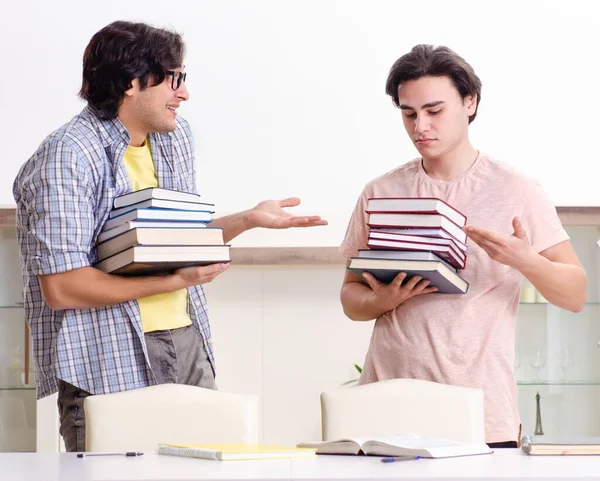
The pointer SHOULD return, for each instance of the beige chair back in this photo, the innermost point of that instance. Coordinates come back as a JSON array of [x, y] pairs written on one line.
[[138, 420], [401, 406]]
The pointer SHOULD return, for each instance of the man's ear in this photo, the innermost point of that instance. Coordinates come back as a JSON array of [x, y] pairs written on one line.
[[135, 87], [470, 102]]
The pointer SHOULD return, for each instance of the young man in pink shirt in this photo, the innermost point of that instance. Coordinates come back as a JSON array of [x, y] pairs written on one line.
[[513, 232]]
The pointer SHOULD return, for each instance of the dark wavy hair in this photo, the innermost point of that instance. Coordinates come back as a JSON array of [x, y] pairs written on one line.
[[121, 52], [427, 60]]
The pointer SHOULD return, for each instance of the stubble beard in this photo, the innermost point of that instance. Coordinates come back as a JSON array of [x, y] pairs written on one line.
[[154, 123]]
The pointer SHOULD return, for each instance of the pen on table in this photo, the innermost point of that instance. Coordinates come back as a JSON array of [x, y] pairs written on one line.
[[400, 458], [128, 454]]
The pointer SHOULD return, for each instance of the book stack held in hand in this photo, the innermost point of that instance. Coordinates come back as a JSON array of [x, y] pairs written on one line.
[[417, 235], [155, 230]]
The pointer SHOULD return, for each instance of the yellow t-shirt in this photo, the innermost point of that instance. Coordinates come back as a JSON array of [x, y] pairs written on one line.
[[160, 311]]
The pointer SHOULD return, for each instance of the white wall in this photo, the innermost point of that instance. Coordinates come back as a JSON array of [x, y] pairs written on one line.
[[280, 333], [288, 96]]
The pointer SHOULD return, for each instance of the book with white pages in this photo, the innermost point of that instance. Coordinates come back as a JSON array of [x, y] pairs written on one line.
[[561, 445], [401, 445], [155, 193], [234, 451], [419, 221], [413, 205], [146, 224], [436, 271], [402, 255], [164, 204], [445, 252], [148, 260], [433, 232], [160, 236], [159, 214], [384, 235]]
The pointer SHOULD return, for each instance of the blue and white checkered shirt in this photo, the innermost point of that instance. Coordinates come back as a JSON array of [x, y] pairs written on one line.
[[64, 193]]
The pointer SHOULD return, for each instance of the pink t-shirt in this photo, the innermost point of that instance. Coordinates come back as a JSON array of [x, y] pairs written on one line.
[[463, 340]]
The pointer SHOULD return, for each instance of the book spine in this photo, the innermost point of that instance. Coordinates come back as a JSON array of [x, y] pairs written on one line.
[[186, 452]]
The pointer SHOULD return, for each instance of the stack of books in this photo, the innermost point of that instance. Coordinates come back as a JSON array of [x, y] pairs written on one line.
[[155, 231], [420, 236]]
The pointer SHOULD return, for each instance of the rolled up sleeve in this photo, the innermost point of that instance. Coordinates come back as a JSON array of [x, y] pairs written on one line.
[[59, 209]]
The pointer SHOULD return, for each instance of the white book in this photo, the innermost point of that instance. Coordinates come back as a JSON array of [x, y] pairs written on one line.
[[421, 205], [159, 214], [154, 193], [164, 204], [145, 224], [211, 236], [402, 445]]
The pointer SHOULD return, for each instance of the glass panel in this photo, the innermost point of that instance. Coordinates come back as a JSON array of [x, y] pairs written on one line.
[[557, 354], [17, 385]]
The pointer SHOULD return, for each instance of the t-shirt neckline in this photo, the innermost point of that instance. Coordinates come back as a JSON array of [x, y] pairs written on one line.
[[467, 172]]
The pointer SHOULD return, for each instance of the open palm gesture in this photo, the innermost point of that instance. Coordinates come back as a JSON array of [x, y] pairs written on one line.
[[270, 214]]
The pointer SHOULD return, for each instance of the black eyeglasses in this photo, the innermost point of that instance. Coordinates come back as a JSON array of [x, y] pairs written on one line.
[[177, 78]]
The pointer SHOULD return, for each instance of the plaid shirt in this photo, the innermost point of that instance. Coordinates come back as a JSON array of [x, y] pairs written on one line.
[[64, 193]]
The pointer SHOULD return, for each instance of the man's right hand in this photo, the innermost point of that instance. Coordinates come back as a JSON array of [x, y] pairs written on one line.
[[200, 274], [70, 289], [389, 296]]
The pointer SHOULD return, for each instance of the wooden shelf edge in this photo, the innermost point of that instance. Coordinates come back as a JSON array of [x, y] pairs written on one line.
[[568, 216], [329, 255], [579, 215], [286, 256], [7, 217]]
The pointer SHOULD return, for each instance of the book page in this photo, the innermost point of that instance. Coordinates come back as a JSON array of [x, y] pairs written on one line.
[[426, 447], [339, 446], [396, 440], [418, 442]]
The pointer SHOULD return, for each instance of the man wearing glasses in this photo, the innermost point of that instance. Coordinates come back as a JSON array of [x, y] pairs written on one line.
[[95, 333]]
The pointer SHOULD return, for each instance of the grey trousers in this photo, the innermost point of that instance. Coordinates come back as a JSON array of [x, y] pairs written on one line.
[[176, 356]]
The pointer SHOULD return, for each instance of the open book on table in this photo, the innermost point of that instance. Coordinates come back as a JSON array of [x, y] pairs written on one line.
[[404, 445]]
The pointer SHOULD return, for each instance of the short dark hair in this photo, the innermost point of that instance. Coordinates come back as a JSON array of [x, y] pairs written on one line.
[[121, 52], [429, 60]]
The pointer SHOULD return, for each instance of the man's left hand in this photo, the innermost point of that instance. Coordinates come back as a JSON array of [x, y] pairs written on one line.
[[270, 214], [512, 250]]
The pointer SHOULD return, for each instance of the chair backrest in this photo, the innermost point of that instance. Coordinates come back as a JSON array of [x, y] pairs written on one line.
[[401, 406], [138, 420]]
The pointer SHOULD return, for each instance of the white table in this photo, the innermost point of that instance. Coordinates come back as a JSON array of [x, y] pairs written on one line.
[[509, 464]]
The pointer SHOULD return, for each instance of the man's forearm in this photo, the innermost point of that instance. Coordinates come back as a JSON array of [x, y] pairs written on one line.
[[233, 225], [89, 287], [358, 302], [563, 285]]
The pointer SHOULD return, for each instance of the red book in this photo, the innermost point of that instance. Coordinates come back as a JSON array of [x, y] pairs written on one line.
[[415, 205], [446, 252], [418, 221], [402, 237], [425, 232]]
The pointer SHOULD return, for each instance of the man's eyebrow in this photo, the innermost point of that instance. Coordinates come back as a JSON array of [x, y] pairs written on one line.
[[424, 106]]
